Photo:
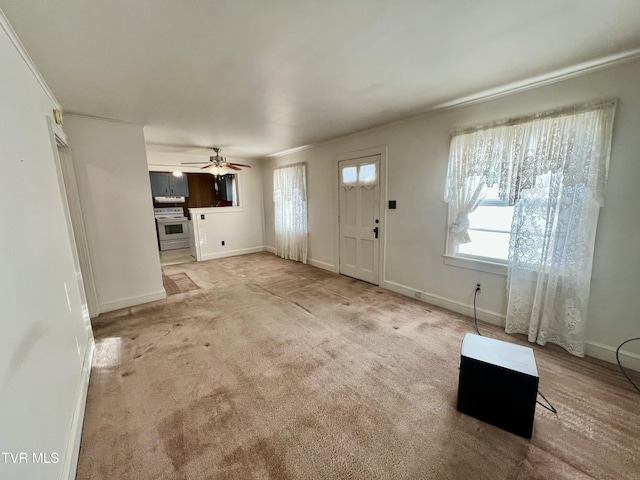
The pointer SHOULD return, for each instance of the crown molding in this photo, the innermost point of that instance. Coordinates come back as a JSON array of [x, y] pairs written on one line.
[[103, 119], [540, 80], [13, 37], [289, 151]]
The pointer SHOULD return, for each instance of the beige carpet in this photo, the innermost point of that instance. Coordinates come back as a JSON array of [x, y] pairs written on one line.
[[278, 370]]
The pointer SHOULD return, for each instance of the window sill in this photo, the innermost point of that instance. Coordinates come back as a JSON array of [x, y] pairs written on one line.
[[476, 264]]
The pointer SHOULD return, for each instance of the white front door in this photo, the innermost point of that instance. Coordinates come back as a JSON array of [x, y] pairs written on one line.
[[360, 217]]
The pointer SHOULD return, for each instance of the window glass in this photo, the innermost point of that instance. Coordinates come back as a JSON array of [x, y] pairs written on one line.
[[489, 229], [486, 244], [349, 174], [367, 173], [492, 217]]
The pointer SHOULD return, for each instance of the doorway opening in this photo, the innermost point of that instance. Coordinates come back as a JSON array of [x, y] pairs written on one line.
[[174, 194]]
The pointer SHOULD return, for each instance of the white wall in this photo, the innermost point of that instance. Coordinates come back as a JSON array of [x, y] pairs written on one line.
[[415, 233], [113, 181], [45, 345]]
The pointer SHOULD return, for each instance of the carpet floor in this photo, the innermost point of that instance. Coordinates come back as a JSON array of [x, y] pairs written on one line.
[[277, 370]]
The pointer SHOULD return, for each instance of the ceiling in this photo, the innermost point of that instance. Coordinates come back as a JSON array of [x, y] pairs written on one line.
[[258, 77]]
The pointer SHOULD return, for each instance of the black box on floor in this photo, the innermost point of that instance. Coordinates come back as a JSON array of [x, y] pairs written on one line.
[[498, 383]]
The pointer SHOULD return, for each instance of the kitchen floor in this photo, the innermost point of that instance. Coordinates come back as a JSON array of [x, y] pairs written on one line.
[[175, 257]]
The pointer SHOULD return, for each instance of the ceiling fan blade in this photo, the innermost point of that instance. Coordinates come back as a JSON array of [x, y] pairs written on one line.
[[206, 166], [232, 167], [239, 164], [193, 163]]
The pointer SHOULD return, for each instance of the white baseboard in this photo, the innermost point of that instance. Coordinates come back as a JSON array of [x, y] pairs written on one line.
[[73, 445], [132, 301], [232, 253], [608, 354], [593, 349], [323, 265], [316, 263], [459, 307]]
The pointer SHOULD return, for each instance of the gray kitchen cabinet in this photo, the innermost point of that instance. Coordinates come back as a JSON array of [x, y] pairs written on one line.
[[159, 184], [178, 186], [166, 185]]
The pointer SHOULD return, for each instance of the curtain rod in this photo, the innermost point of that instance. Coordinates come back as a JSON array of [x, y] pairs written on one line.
[[557, 112]]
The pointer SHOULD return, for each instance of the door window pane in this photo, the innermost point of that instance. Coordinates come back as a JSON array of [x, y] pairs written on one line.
[[349, 174], [367, 173]]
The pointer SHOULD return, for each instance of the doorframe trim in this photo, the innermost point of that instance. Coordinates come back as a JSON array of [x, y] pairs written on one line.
[[354, 155], [59, 139]]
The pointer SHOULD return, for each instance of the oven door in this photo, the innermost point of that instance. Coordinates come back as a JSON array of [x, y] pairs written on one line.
[[172, 229]]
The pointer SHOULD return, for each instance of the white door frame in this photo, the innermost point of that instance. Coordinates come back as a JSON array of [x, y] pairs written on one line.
[[353, 155], [79, 242]]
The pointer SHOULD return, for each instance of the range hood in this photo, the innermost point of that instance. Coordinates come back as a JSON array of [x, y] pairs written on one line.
[[168, 199]]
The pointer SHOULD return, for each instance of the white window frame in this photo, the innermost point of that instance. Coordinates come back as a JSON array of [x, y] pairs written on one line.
[[496, 266]]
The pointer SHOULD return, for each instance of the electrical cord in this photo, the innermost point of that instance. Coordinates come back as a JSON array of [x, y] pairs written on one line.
[[550, 407], [475, 317], [624, 372]]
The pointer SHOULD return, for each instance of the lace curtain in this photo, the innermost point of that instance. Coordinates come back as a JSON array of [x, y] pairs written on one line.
[[559, 182], [474, 165], [290, 204], [554, 171]]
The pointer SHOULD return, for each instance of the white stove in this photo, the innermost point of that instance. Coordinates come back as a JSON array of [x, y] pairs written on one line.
[[173, 231]]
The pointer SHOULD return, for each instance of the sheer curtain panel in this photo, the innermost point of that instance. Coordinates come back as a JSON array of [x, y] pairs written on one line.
[[553, 168], [560, 182], [474, 164], [290, 205]]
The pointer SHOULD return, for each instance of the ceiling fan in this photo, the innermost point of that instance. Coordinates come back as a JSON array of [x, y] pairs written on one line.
[[218, 165]]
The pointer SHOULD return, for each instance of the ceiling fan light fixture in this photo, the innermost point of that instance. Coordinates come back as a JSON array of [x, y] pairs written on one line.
[[218, 165]]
